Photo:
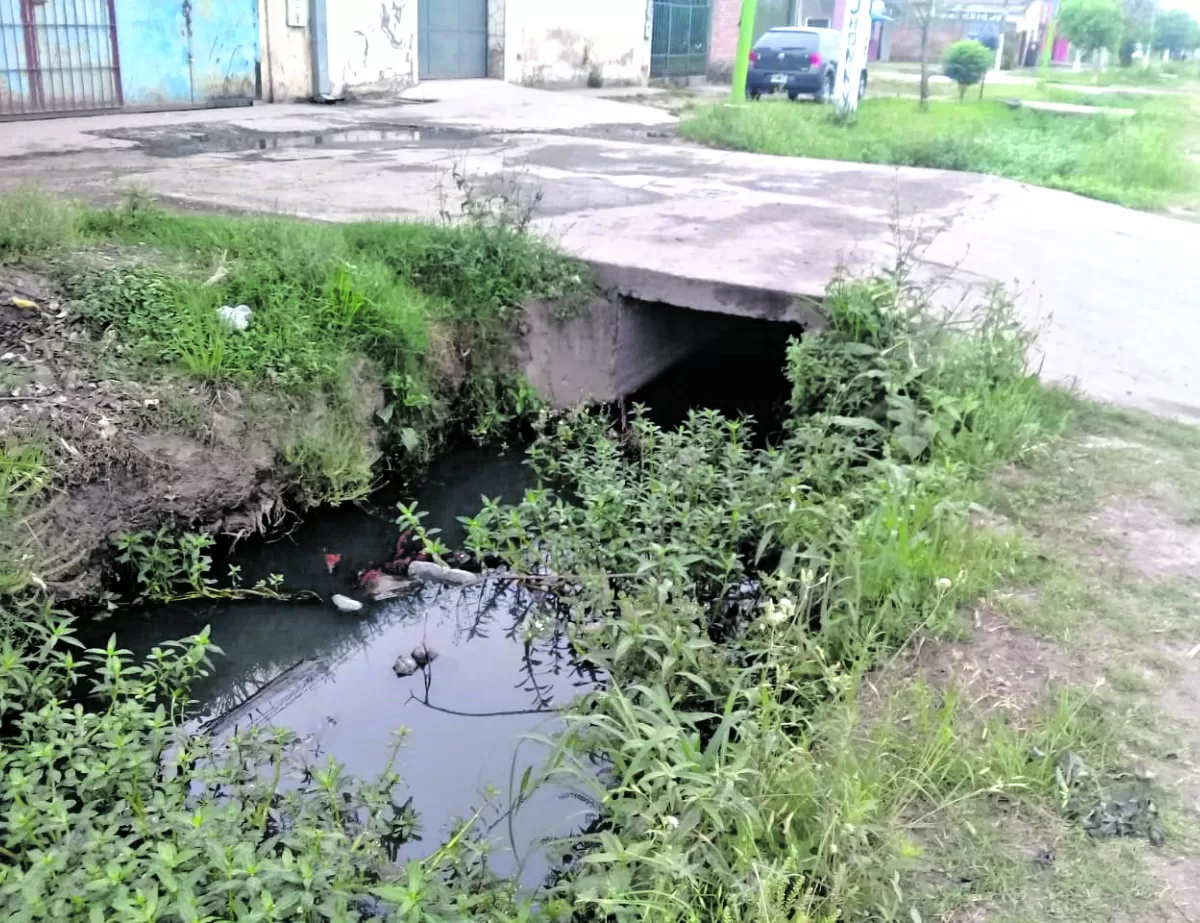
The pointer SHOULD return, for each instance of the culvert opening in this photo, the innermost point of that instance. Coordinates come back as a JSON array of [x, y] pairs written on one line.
[[741, 371]]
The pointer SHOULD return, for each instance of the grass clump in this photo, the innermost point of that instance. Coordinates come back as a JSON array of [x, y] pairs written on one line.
[[24, 477], [32, 224], [1138, 161], [422, 313]]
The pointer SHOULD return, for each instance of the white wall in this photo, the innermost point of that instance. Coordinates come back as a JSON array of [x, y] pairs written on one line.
[[286, 50], [372, 46], [558, 42]]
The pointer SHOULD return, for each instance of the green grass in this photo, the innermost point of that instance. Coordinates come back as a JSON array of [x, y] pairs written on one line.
[[429, 308], [1138, 162], [24, 478], [884, 85], [1173, 75]]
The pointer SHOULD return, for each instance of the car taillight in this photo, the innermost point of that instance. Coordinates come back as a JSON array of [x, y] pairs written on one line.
[[814, 59], [753, 56]]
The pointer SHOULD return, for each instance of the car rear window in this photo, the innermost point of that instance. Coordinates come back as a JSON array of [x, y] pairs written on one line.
[[791, 41]]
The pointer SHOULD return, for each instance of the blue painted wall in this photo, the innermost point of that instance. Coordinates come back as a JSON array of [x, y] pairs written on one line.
[[224, 49], [152, 39], [155, 38]]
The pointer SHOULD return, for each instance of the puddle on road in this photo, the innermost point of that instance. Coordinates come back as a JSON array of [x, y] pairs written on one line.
[[189, 140], [328, 676]]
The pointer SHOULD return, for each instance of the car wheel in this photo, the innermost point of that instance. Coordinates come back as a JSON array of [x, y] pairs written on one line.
[[792, 96], [825, 94], [755, 94], [862, 86]]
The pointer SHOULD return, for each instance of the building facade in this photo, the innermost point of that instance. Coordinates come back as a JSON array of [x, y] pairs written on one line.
[[72, 56]]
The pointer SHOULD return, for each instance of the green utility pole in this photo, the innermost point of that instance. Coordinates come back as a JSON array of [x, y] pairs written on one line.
[[745, 41]]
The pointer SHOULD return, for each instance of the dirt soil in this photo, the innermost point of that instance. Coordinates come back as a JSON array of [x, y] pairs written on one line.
[[1120, 524], [128, 454]]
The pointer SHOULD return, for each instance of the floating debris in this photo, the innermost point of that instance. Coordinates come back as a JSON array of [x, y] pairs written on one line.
[[429, 572], [404, 666], [332, 561], [422, 656], [345, 603], [380, 586]]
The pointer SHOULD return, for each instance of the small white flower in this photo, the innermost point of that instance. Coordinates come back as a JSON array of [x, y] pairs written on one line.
[[944, 583]]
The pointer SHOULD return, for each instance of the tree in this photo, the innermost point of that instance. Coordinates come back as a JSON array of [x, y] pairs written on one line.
[[1176, 32], [1091, 25], [967, 63], [923, 12], [1136, 28]]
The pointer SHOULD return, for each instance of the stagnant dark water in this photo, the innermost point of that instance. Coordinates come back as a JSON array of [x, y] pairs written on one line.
[[328, 675]]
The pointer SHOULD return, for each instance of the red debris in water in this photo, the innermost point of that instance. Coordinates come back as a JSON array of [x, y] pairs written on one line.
[[369, 578], [331, 561]]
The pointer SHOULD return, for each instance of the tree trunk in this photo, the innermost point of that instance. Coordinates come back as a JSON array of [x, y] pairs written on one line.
[[982, 83], [926, 24]]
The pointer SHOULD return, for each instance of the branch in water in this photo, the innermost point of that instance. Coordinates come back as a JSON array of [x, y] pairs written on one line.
[[485, 714]]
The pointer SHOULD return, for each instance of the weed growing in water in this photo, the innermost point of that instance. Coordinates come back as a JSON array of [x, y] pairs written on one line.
[[171, 567]]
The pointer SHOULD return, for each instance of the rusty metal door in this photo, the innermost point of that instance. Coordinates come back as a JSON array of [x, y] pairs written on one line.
[[58, 56]]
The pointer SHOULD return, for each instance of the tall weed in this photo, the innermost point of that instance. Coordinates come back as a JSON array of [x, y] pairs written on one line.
[[33, 224], [736, 598]]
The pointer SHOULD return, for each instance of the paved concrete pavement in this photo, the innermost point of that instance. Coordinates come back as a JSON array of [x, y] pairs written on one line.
[[1117, 291]]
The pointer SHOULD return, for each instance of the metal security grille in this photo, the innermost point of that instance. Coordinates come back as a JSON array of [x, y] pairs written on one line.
[[58, 56], [679, 38]]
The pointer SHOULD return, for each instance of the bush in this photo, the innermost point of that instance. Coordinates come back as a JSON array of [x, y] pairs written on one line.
[[967, 63]]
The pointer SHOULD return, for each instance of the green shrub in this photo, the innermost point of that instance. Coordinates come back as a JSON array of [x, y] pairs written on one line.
[[967, 63]]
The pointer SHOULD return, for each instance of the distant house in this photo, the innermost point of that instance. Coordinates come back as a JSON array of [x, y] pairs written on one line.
[[1015, 28]]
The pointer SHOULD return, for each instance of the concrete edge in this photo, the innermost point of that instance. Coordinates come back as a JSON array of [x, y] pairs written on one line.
[[708, 295]]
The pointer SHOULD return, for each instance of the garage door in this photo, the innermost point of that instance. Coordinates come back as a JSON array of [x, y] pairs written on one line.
[[451, 38]]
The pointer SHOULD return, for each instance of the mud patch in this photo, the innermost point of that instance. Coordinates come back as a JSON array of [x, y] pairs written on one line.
[[127, 454], [1000, 668], [1154, 543], [1181, 883]]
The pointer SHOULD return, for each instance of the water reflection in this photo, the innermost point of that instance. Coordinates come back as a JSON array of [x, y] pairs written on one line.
[[328, 675]]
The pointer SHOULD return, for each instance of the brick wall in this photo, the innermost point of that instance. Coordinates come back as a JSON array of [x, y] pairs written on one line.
[[722, 41]]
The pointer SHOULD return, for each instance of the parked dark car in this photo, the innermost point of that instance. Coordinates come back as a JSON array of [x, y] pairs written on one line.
[[797, 62]]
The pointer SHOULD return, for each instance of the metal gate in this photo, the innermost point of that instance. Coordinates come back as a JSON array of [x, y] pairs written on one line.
[[679, 38], [187, 53], [451, 39], [58, 56]]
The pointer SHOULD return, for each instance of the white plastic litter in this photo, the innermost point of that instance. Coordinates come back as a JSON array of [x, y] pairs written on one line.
[[235, 318], [429, 572], [345, 603]]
